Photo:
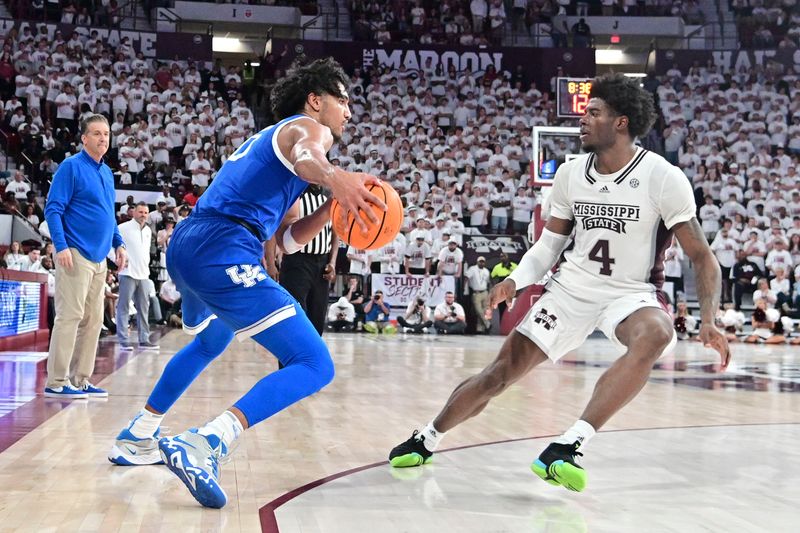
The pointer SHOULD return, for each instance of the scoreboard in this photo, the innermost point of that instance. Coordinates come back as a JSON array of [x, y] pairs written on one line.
[[572, 95]]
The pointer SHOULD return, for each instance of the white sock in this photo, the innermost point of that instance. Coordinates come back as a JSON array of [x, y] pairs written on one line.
[[432, 437], [226, 426], [580, 431], [145, 424]]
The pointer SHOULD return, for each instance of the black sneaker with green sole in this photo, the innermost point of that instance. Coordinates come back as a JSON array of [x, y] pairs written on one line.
[[557, 466], [411, 452]]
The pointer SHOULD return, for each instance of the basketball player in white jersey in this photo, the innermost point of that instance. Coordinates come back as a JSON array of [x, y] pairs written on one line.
[[624, 204]]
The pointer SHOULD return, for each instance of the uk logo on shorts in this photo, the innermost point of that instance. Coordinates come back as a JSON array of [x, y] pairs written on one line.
[[545, 319], [247, 275]]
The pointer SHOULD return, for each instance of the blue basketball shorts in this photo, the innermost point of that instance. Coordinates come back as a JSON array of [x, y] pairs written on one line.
[[216, 266]]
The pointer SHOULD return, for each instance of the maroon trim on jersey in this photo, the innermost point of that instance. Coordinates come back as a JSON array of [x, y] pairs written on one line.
[[589, 163], [663, 240], [631, 166], [663, 301]]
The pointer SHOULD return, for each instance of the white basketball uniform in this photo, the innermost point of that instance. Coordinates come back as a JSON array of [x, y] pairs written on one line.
[[615, 265]]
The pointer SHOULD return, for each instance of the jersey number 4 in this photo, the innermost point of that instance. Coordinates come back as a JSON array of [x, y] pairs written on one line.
[[601, 254]]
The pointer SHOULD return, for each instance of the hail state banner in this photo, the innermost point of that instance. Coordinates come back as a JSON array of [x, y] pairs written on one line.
[[491, 246], [776, 60], [539, 64], [400, 289], [163, 45]]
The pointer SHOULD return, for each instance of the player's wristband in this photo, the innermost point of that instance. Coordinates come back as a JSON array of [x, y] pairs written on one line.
[[290, 245], [537, 261]]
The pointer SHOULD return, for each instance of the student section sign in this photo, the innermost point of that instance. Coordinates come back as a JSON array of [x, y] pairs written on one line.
[[400, 289]]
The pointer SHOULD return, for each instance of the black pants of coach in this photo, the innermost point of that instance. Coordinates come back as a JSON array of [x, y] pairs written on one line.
[[301, 275]]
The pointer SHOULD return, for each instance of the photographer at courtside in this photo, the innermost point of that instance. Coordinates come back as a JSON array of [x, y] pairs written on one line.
[[417, 318], [449, 316], [377, 315]]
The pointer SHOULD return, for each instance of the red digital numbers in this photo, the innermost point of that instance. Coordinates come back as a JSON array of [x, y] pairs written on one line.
[[579, 102]]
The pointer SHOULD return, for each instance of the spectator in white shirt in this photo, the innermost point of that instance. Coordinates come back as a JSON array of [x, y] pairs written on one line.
[[522, 210], [418, 257], [456, 228], [500, 200], [417, 317], [30, 262], [132, 287], [360, 261], [725, 248], [201, 171], [709, 214], [341, 316], [449, 317], [779, 257], [14, 256], [478, 282], [166, 197], [780, 286], [19, 186], [763, 292], [451, 260], [673, 268], [391, 255]]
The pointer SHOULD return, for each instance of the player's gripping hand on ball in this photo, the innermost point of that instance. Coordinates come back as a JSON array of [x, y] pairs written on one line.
[[502, 292], [349, 189]]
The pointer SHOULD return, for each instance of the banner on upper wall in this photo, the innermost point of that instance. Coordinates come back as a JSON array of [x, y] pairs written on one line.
[[399, 289], [491, 246], [540, 64], [162, 45], [779, 61]]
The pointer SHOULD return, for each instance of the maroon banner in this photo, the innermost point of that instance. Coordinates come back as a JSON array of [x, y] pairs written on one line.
[[777, 60], [196, 46], [162, 45], [540, 64], [491, 246]]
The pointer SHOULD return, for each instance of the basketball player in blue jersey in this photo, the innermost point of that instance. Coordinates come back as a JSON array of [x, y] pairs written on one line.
[[214, 258], [624, 203]]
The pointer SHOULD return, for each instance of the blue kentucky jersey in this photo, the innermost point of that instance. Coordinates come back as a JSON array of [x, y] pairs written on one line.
[[257, 184]]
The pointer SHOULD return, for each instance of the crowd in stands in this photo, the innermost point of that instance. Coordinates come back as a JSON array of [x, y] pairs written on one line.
[[173, 124], [736, 135], [767, 23], [481, 22], [455, 145]]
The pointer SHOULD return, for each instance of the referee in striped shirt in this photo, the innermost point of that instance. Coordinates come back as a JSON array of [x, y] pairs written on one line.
[[308, 273]]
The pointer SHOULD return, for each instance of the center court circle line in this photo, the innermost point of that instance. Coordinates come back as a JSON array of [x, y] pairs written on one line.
[[269, 522]]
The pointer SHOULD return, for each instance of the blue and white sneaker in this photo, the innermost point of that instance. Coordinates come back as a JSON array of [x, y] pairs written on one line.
[[129, 450], [65, 392], [194, 458], [93, 392]]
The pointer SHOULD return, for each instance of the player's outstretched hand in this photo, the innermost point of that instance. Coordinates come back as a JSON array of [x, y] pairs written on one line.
[[503, 291], [349, 188], [711, 337]]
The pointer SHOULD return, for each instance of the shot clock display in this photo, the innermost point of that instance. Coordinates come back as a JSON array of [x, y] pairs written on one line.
[[572, 95]]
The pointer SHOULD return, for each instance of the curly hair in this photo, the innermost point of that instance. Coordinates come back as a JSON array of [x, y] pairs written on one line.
[[626, 97], [323, 76]]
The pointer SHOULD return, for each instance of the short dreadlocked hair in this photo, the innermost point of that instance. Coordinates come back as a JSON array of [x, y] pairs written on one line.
[[323, 76], [626, 97]]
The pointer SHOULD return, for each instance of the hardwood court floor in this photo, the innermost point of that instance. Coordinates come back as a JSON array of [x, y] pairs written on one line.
[[693, 477]]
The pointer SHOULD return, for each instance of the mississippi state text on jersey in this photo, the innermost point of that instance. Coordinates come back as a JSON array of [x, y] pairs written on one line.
[[623, 221]]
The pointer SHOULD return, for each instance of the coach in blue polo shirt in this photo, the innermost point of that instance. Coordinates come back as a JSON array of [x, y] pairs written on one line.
[[80, 215]]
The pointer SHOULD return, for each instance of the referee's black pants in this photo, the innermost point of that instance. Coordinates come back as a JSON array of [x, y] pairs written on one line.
[[301, 275]]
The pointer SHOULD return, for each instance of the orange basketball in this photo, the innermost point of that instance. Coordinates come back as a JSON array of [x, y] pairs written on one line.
[[379, 234]]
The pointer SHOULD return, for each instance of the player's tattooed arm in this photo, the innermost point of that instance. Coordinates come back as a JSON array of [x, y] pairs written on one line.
[[693, 241], [690, 236]]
